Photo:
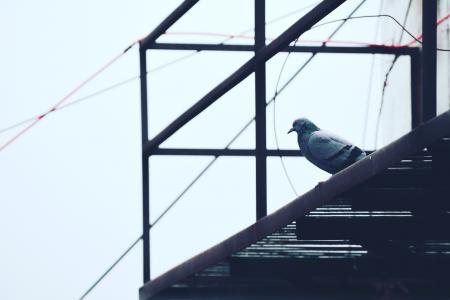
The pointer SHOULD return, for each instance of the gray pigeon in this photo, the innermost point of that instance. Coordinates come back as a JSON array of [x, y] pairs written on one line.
[[327, 151]]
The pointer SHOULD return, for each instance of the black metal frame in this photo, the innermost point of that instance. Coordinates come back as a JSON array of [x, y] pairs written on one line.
[[256, 64]]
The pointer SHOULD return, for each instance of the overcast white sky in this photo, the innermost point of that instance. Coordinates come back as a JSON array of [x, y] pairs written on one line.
[[70, 196]]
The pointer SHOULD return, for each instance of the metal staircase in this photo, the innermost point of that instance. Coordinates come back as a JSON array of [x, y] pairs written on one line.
[[380, 223], [387, 229]]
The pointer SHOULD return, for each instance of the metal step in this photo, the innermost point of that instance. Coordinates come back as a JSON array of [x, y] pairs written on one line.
[[401, 225], [396, 199]]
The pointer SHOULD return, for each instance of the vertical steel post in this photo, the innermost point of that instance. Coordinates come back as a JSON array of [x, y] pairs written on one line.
[[260, 112], [429, 16], [416, 91], [176, 14], [145, 166]]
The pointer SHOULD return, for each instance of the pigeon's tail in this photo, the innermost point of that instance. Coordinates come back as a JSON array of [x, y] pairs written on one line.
[[356, 154]]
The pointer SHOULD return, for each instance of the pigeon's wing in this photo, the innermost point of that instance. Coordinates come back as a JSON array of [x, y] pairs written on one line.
[[324, 146]]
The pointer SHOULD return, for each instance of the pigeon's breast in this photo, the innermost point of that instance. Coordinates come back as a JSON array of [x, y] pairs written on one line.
[[330, 166], [303, 144]]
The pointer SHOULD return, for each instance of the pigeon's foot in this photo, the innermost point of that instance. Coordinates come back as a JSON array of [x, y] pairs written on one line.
[[319, 185]]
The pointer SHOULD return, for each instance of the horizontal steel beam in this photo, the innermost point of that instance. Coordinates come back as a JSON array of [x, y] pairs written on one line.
[[299, 49], [201, 47], [226, 152], [183, 8], [223, 152], [298, 28]]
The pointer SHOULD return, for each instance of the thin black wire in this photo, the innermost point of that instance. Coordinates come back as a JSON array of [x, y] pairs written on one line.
[[386, 77], [383, 91], [286, 173], [405, 19], [274, 121], [110, 268]]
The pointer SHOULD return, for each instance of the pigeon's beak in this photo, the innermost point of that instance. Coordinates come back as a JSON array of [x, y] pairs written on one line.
[[290, 130]]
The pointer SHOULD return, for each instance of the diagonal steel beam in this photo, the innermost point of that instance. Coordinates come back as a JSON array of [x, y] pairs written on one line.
[[267, 52], [169, 21]]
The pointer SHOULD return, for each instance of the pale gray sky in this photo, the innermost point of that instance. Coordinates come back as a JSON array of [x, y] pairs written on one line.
[[70, 197]]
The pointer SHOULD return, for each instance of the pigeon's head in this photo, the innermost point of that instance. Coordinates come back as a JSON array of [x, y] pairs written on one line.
[[302, 126]]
